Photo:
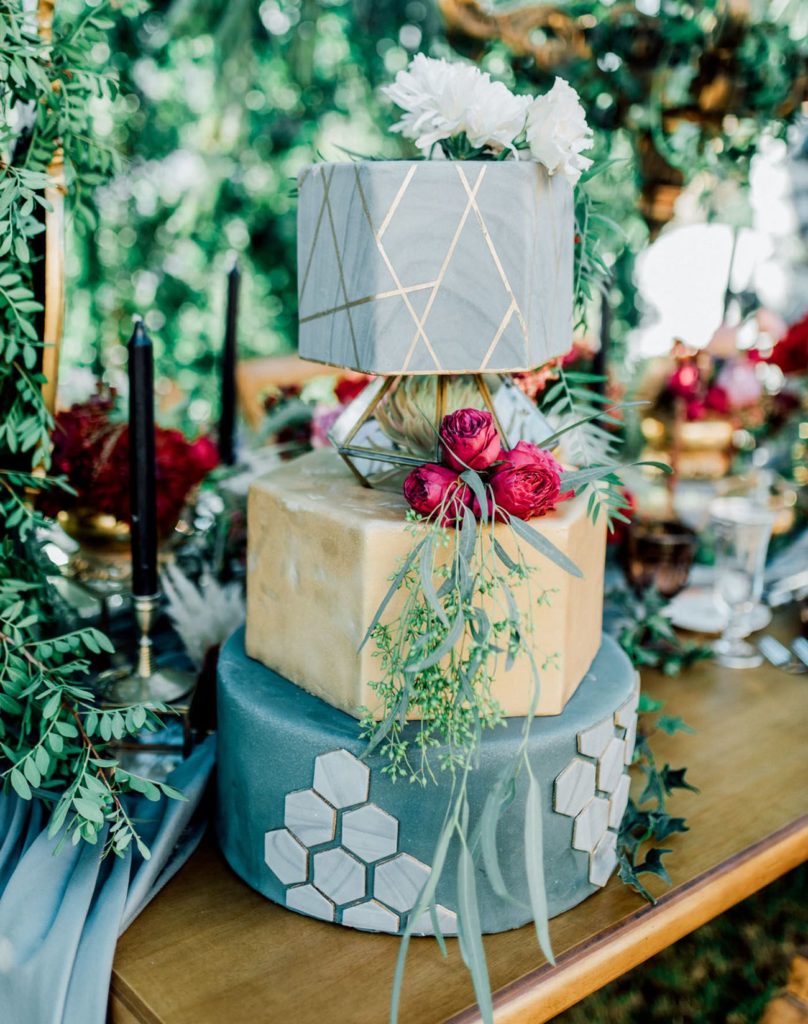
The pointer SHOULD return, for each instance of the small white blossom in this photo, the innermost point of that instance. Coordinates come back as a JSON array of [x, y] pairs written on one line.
[[442, 100], [557, 131]]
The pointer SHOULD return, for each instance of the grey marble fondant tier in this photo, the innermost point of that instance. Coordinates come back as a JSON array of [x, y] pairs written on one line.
[[434, 266], [313, 827]]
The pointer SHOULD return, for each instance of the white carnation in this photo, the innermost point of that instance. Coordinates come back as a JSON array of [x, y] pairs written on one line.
[[557, 131], [441, 100]]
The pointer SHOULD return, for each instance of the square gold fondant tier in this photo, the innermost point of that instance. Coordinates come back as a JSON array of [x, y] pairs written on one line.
[[321, 551]]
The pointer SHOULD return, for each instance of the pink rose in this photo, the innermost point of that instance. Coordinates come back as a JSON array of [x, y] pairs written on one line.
[[527, 482], [431, 487], [470, 439]]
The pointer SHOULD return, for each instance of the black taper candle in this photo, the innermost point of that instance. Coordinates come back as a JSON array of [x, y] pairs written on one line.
[[227, 415], [142, 466]]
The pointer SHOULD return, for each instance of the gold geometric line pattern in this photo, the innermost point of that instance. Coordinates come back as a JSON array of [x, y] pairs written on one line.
[[367, 298], [495, 255], [545, 194], [500, 331], [313, 241], [383, 253], [327, 201], [399, 196], [442, 272]]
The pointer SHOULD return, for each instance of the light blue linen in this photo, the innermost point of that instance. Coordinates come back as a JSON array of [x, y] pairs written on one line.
[[62, 912]]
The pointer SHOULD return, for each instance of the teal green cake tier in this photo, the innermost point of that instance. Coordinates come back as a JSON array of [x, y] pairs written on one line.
[[306, 821]]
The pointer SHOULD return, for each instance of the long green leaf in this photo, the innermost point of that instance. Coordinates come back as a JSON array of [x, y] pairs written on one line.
[[397, 581], [443, 648], [534, 863], [544, 546], [427, 566], [470, 931]]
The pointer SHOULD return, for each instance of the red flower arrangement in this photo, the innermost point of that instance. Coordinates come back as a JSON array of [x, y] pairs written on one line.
[[791, 351], [91, 449], [524, 482]]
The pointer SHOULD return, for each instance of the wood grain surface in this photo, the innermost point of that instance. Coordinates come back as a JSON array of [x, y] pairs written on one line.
[[210, 950]]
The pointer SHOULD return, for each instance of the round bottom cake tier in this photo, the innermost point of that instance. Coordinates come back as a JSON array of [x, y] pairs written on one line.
[[307, 822]]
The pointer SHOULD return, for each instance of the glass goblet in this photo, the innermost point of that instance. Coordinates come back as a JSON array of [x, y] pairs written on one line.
[[742, 530]]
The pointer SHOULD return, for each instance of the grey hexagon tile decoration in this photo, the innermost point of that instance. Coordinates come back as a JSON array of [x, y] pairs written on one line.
[[339, 857], [447, 922], [593, 741], [619, 801], [341, 778], [370, 832], [398, 882], [593, 789], [575, 787], [339, 875], [285, 856], [371, 916], [308, 900], [610, 765], [603, 859], [591, 823], [309, 817]]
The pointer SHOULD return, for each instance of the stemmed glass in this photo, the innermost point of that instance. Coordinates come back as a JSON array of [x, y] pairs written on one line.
[[742, 530]]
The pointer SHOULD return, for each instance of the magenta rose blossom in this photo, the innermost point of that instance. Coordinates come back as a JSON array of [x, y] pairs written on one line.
[[470, 439], [430, 486], [527, 481]]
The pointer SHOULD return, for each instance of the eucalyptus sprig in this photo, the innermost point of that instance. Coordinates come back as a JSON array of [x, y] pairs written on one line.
[[456, 623], [54, 740]]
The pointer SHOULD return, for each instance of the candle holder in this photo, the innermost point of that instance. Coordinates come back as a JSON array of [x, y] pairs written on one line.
[[146, 683]]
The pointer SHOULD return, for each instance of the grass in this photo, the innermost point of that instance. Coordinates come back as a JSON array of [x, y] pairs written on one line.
[[724, 973]]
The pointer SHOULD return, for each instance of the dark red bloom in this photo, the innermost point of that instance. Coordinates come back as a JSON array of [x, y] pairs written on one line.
[[527, 482], [92, 450], [430, 487], [717, 399], [350, 385], [470, 439], [791, 351], [685, 380]]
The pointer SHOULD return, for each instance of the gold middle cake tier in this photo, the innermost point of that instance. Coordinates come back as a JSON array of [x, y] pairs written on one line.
[[321, 551]]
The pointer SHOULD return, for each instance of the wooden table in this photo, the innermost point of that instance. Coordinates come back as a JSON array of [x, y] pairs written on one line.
[[209, 950]]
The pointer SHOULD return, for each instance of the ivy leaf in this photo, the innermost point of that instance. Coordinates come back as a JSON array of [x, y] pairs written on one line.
[[665, 825], [652, 865], [674, 778], [628, 876], [670, 724]]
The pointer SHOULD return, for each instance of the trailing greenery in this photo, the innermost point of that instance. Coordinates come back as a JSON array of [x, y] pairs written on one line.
[[54, 739], [649, 639], [648, 822], [458, 624]]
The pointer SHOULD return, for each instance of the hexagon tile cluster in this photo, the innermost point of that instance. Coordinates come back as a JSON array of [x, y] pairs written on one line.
[[338, 854], [593, 788]]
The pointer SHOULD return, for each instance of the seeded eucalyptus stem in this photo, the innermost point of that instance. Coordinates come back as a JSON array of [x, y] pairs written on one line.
[[441, 654]]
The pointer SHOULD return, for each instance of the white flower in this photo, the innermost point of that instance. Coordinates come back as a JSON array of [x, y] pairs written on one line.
[[442, 100], [557, 131]]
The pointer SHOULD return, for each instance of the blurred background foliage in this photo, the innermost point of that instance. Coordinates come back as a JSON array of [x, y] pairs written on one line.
[[222, 104]]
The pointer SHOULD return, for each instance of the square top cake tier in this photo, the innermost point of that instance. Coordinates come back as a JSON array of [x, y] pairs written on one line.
[[434, 266], [321, 552]]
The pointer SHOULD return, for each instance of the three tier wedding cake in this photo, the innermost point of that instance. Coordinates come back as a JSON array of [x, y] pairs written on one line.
[[422, 704]]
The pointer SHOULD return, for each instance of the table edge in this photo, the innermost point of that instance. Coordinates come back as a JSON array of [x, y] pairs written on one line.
[[541, 994]]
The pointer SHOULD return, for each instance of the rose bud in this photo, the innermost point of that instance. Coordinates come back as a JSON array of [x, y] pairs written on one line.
[[430, 487], [527, 482], [470, 439]]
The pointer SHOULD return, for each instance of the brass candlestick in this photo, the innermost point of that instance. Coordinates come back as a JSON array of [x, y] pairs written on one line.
[[147, 683]]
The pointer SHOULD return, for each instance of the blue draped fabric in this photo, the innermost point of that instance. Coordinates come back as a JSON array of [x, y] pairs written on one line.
[[62, 912]]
